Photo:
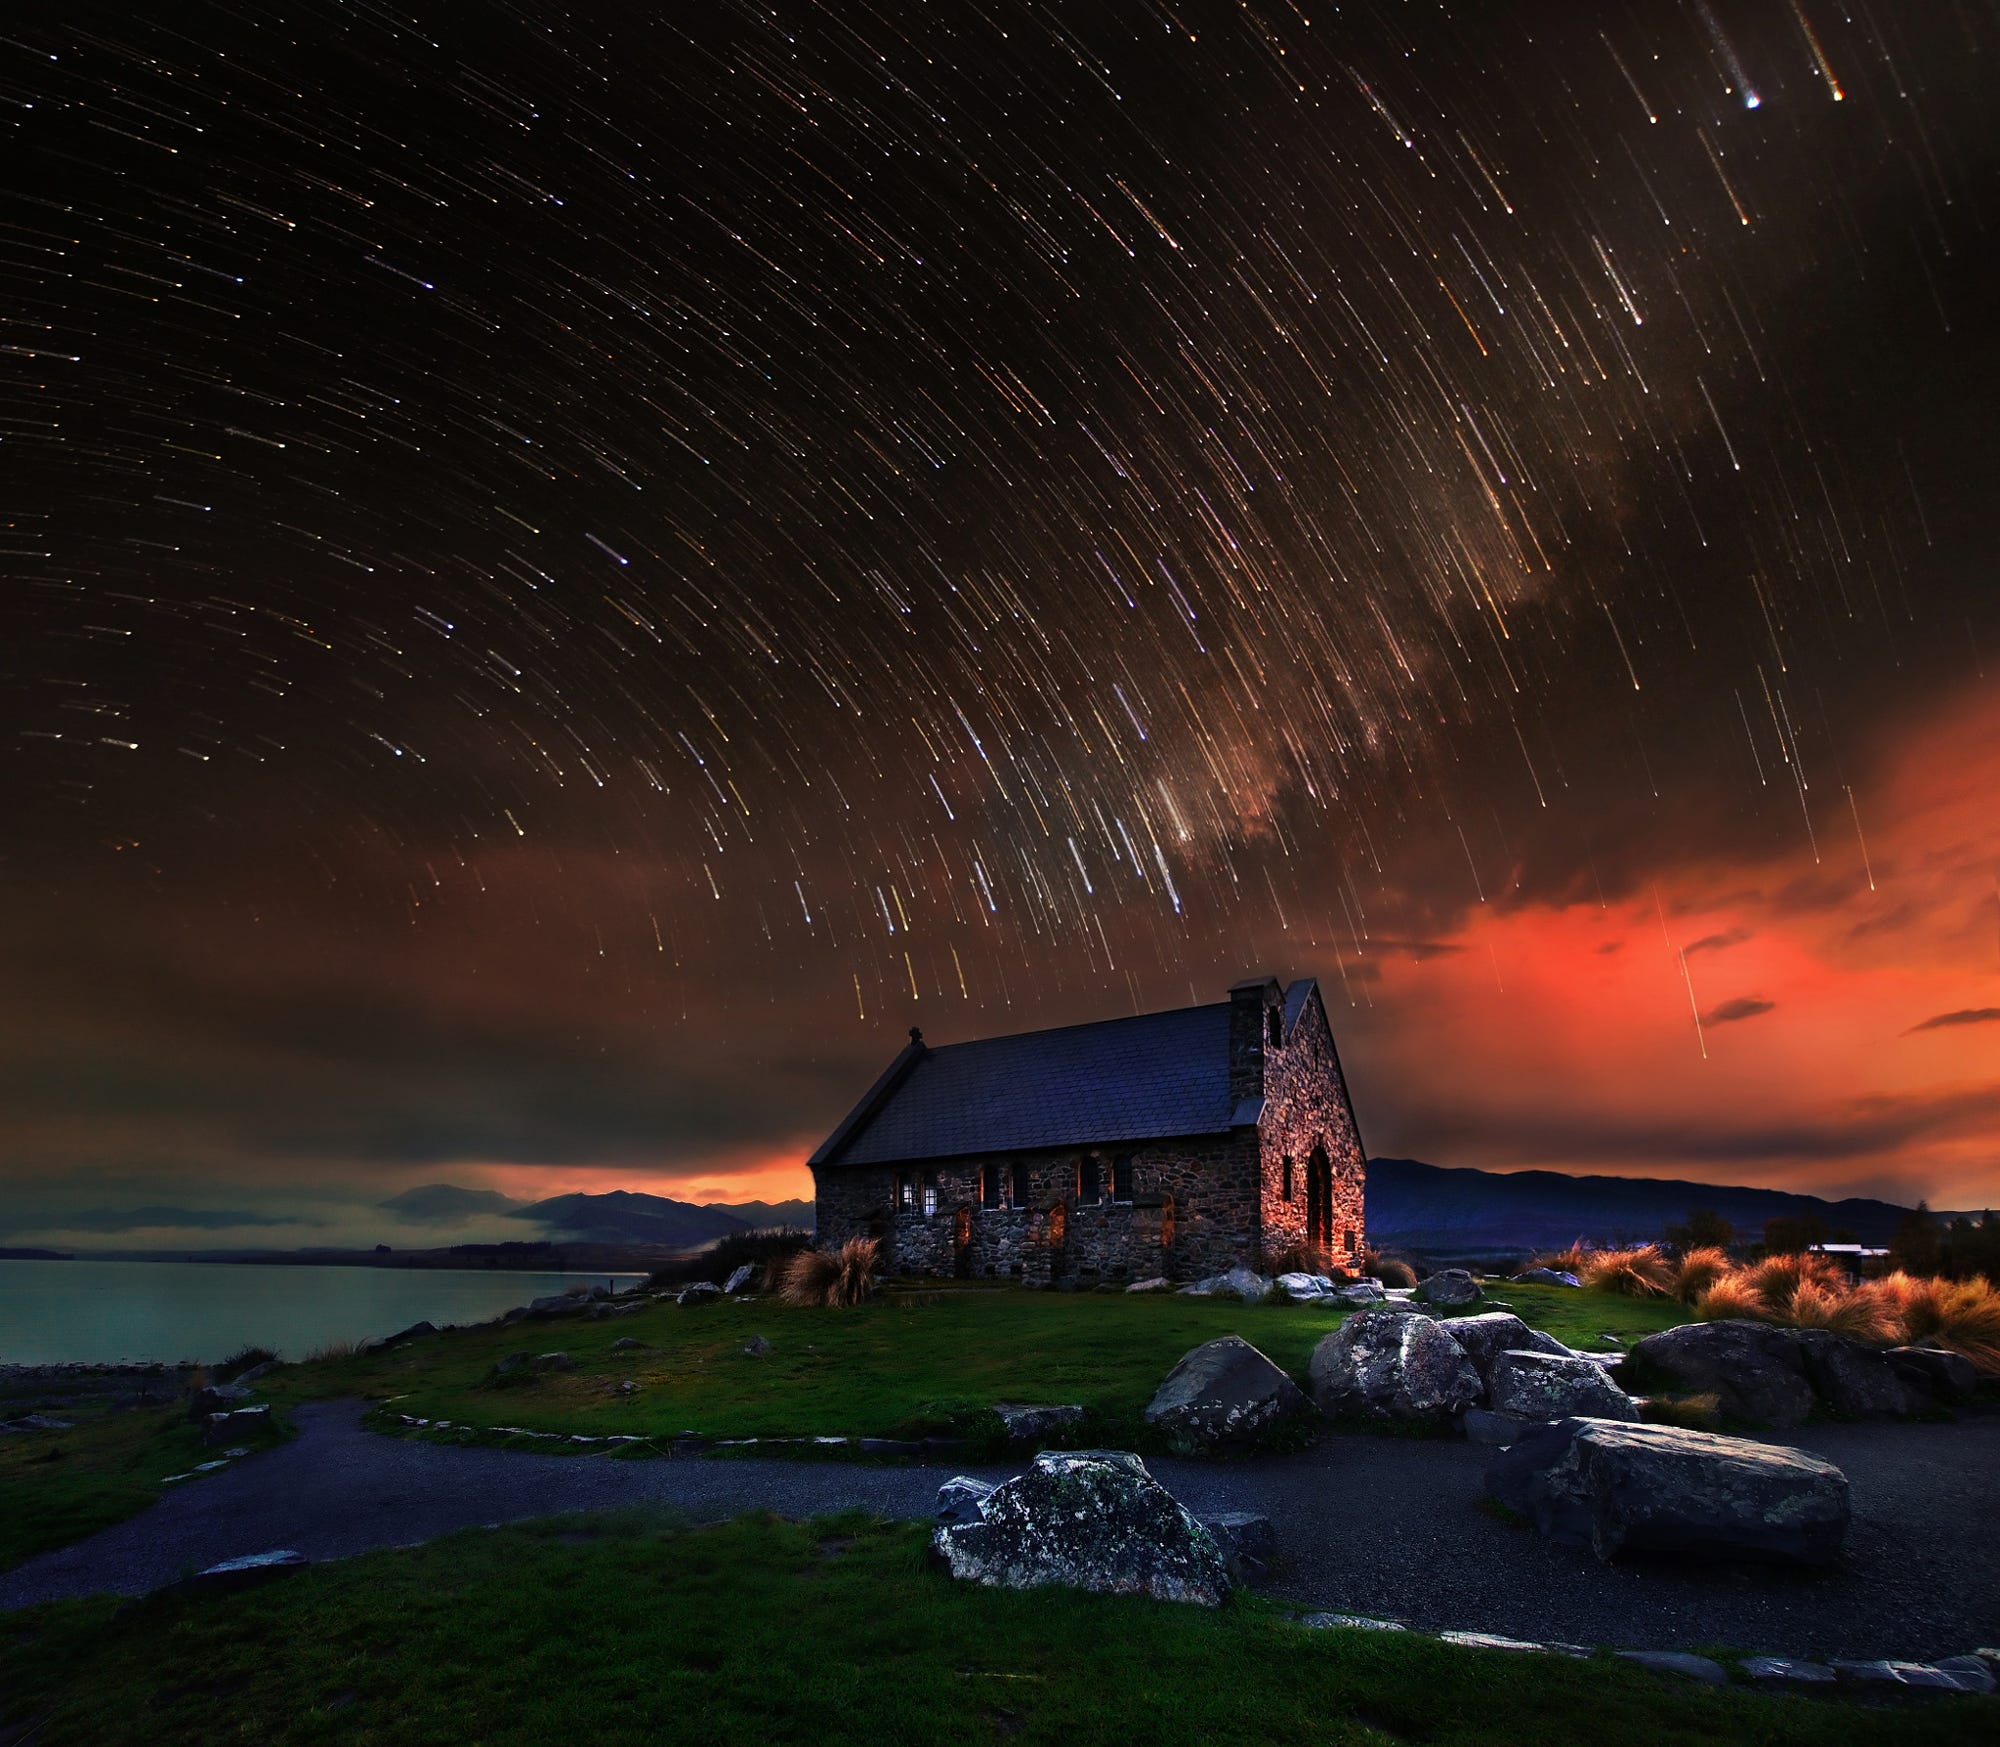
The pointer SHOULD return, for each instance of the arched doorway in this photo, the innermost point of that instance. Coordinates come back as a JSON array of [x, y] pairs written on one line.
[[1319, 1200]]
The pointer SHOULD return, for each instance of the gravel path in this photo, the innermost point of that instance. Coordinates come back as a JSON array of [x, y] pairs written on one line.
[[1376, 1525]]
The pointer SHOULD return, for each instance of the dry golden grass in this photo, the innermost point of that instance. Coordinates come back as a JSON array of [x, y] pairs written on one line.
[[1390, 1270], [1838, 1309], [1640, 1272], [832, 1279], [1695, 1413], [1729, 1297], [1569, 1261], [1776, 1278], [1698, 1270], [1963, 1315]]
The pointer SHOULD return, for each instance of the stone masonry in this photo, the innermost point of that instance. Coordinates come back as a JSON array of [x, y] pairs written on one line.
[[1284, 1181]]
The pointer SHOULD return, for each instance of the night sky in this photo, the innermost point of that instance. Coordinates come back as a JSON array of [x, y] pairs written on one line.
[[571, 571]]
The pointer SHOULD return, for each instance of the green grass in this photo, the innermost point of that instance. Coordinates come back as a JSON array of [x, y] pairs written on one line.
[[630, 1631], [907, 1363], [58, 1486]]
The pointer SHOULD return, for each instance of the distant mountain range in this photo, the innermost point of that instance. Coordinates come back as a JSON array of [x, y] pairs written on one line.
[[1437, 1211], [619, 1216]]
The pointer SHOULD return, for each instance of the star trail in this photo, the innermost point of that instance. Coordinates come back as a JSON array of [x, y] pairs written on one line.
[[571, 571]]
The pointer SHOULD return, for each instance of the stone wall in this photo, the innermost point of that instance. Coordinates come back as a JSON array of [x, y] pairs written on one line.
[[1306, 1106], [1193, 1211]]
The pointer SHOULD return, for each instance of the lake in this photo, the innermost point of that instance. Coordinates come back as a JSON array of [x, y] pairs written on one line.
[[106, 1312]]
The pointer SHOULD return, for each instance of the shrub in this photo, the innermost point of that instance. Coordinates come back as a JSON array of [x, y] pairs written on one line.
[[1390, 1270], [832, 1279], [243, 1359], [1776, 1278], [333, 1349], [1963, 1315], [1730, 1297], [1641, 1272], [771, 1249], [1838, 1309], [1698, 1270], [1294, 1258]]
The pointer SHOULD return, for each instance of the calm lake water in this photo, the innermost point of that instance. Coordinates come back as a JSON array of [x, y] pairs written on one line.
[[103, 1312]]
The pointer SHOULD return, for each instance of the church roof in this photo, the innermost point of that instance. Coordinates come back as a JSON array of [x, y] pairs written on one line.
[[1149, 1077]]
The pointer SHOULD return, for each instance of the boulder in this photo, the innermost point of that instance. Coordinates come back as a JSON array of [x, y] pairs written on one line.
[[1946, 1375], [232, 1575], [758, 1347], [1700, 1668], [1757, 1370], [557, 1304], [413, 1332], [216, 1398], [1086, 1519], [511, 1365], [962, 1499], [1539, 1385], [1360, 1292], [1224, 1394], [1031, 1423], [1301, 1288], [1483, 1426], [1545, 1277], [238, 1423], [1248, 1542], [1487, 1336], [1158, 1283], [1919, 1676], [1973, 1673], [1449, 1287], [1615, 1487], [1786, 1671], [1241, 1283], [740, 1279], [1857, 1381], [554, 1362], [625, 1343], [1393, 1364], [701, 1292]]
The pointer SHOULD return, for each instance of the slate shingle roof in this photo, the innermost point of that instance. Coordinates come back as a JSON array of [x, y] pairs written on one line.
[[1149, 1077]]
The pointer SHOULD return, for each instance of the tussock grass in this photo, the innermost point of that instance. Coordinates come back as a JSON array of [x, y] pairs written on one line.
[[1640, 1272], [1730, 1298], [1776, 1278], [832, 1279], [1390, 1270], [1698, 1270]]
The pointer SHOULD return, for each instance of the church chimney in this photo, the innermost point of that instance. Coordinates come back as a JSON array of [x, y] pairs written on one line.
[[1247, 1001]]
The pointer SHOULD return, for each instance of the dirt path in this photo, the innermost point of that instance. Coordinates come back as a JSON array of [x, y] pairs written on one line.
[[1378, 1525]]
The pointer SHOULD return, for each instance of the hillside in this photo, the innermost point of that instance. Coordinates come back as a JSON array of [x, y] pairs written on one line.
[[1460, 1212]]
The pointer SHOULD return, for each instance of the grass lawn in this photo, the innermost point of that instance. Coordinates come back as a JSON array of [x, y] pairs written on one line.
[[909, 1362], [627, 1629], [58, 1486]]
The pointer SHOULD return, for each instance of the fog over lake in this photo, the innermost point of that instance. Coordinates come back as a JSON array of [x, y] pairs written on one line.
[[107, 1312]]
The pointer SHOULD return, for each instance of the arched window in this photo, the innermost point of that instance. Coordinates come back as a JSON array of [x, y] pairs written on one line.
[[1088, 1191], [1023, 1185]]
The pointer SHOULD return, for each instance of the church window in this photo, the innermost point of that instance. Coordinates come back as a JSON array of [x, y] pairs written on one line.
[[1121, 1177], [1088, 1192]]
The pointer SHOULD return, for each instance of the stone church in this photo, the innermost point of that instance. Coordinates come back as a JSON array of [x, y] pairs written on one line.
[[1178, 1143]]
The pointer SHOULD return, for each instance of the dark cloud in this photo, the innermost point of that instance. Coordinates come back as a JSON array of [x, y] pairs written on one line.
[[1716, 942], [1743, 1007], [1962, 1016], [107, 1219]]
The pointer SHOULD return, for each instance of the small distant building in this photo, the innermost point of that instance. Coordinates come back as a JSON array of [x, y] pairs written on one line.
[[1178, 1143], [1857, 1259]]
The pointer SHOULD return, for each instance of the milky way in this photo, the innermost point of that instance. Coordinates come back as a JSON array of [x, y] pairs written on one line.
[[964, 502]]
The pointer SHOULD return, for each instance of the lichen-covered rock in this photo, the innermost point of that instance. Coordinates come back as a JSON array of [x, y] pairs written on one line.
[[1487, 1336], [1393, 1364], [701, 1292], [1303, 1288], [1539, 1385], [1361, 1292], [1616, 1488], [1449, 1287], [1086, 1519], [1225, 1394], [1757, 1370], [962, 1499], [1857, 1381]]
